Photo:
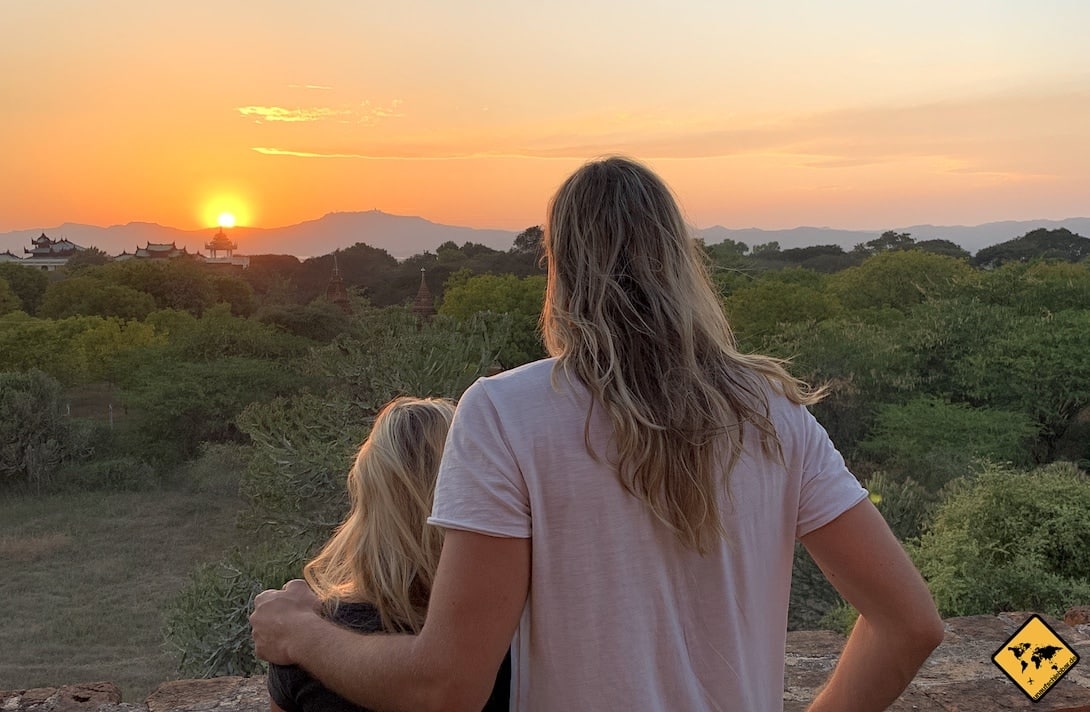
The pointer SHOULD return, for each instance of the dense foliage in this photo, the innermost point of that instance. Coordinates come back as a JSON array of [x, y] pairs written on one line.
[[1009, 540]]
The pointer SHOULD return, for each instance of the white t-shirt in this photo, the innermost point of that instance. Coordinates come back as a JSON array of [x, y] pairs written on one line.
[[621, 615]]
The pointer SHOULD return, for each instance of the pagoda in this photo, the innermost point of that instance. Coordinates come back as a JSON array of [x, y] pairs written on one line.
[[222, 251], [335, 291], [221, 243], [424, 304]]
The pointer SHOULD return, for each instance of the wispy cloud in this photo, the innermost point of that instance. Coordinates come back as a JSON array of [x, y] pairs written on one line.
[[279, 113], [365, 112], [397, 156], [321, 87]]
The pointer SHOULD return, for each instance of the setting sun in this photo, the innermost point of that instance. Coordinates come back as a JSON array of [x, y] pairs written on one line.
[[226, 220]]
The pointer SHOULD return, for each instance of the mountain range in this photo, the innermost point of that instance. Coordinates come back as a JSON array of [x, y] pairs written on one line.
[[403, 236]]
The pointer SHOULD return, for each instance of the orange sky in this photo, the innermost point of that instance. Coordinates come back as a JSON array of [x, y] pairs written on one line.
[[842, 113]]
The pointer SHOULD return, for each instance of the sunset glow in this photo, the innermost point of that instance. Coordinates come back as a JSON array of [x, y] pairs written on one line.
[[225, 220], [846, 113]]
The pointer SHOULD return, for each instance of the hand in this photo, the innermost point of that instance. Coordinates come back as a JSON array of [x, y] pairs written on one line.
[[278, 617]]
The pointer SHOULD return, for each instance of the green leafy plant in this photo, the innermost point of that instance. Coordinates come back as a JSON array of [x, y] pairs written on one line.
[[207, 624], [1010, 540]]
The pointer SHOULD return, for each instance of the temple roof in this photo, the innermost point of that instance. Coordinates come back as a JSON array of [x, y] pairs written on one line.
[[44, 246], [221, 243], [159, 250]]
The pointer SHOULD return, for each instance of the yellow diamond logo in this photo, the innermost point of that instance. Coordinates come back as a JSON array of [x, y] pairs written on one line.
[[1035, 658]]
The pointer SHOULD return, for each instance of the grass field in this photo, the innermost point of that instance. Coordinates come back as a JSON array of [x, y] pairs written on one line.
[[86, 577]]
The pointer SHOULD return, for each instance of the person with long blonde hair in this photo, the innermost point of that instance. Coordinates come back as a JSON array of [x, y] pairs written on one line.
[[375, 573], [624, 513]]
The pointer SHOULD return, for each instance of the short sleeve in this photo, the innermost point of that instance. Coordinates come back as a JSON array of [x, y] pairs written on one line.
[[480, 487], [828, 488]]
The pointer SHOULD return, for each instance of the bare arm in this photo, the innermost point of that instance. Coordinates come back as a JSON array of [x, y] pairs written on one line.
[[480, 591], [898, 625]]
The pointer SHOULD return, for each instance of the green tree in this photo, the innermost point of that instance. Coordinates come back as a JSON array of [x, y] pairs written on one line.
[[27, 283], [766, 250], [73, 350], [1060, 244], [233, 290], [35, 437], [174, 284], [1035, 288], [942, 333], [91, 296], [89, 257], [177, 406], [943, 247], [862, 363], [1039, 366], [9, 302], [390, 352], [933, 441], [759, 310], [888, 241], [320, 320], [899, 279], [521, 299], [530, 241], [1010, 541]]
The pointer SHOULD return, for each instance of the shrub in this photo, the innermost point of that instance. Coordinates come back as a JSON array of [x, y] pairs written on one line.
[[35, 437], [1009, 540], [207, 624]]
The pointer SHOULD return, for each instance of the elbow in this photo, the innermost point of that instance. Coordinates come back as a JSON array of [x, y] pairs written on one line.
[[932, 636], [450, 695], [449, 688], [924, 634]]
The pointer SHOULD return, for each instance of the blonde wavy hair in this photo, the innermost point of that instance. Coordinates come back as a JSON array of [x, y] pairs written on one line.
[[631, 313], [384, 552]]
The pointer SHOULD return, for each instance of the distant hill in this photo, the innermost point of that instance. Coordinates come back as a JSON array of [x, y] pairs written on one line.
[[971, 238], [403, 236]]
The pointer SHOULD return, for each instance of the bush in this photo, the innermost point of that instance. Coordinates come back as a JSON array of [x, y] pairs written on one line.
[[207, 624], [35, 437], [1008, 540]]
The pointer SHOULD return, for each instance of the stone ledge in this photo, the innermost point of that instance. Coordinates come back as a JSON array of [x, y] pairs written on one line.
[[958, 677]]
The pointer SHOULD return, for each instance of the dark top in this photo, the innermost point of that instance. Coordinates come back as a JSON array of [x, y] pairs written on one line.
[[294, 690]]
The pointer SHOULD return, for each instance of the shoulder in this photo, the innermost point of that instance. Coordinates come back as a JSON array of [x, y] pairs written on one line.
[[516, 393], [532, 376]]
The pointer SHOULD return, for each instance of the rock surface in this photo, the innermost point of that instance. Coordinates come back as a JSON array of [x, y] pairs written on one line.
[[958, 677]]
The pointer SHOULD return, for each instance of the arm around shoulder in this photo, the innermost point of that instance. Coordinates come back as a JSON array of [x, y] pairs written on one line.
[[480, 590], [898, 624]]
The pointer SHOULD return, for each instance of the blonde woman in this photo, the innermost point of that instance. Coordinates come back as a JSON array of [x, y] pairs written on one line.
[[627, 509], [375, 574]]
